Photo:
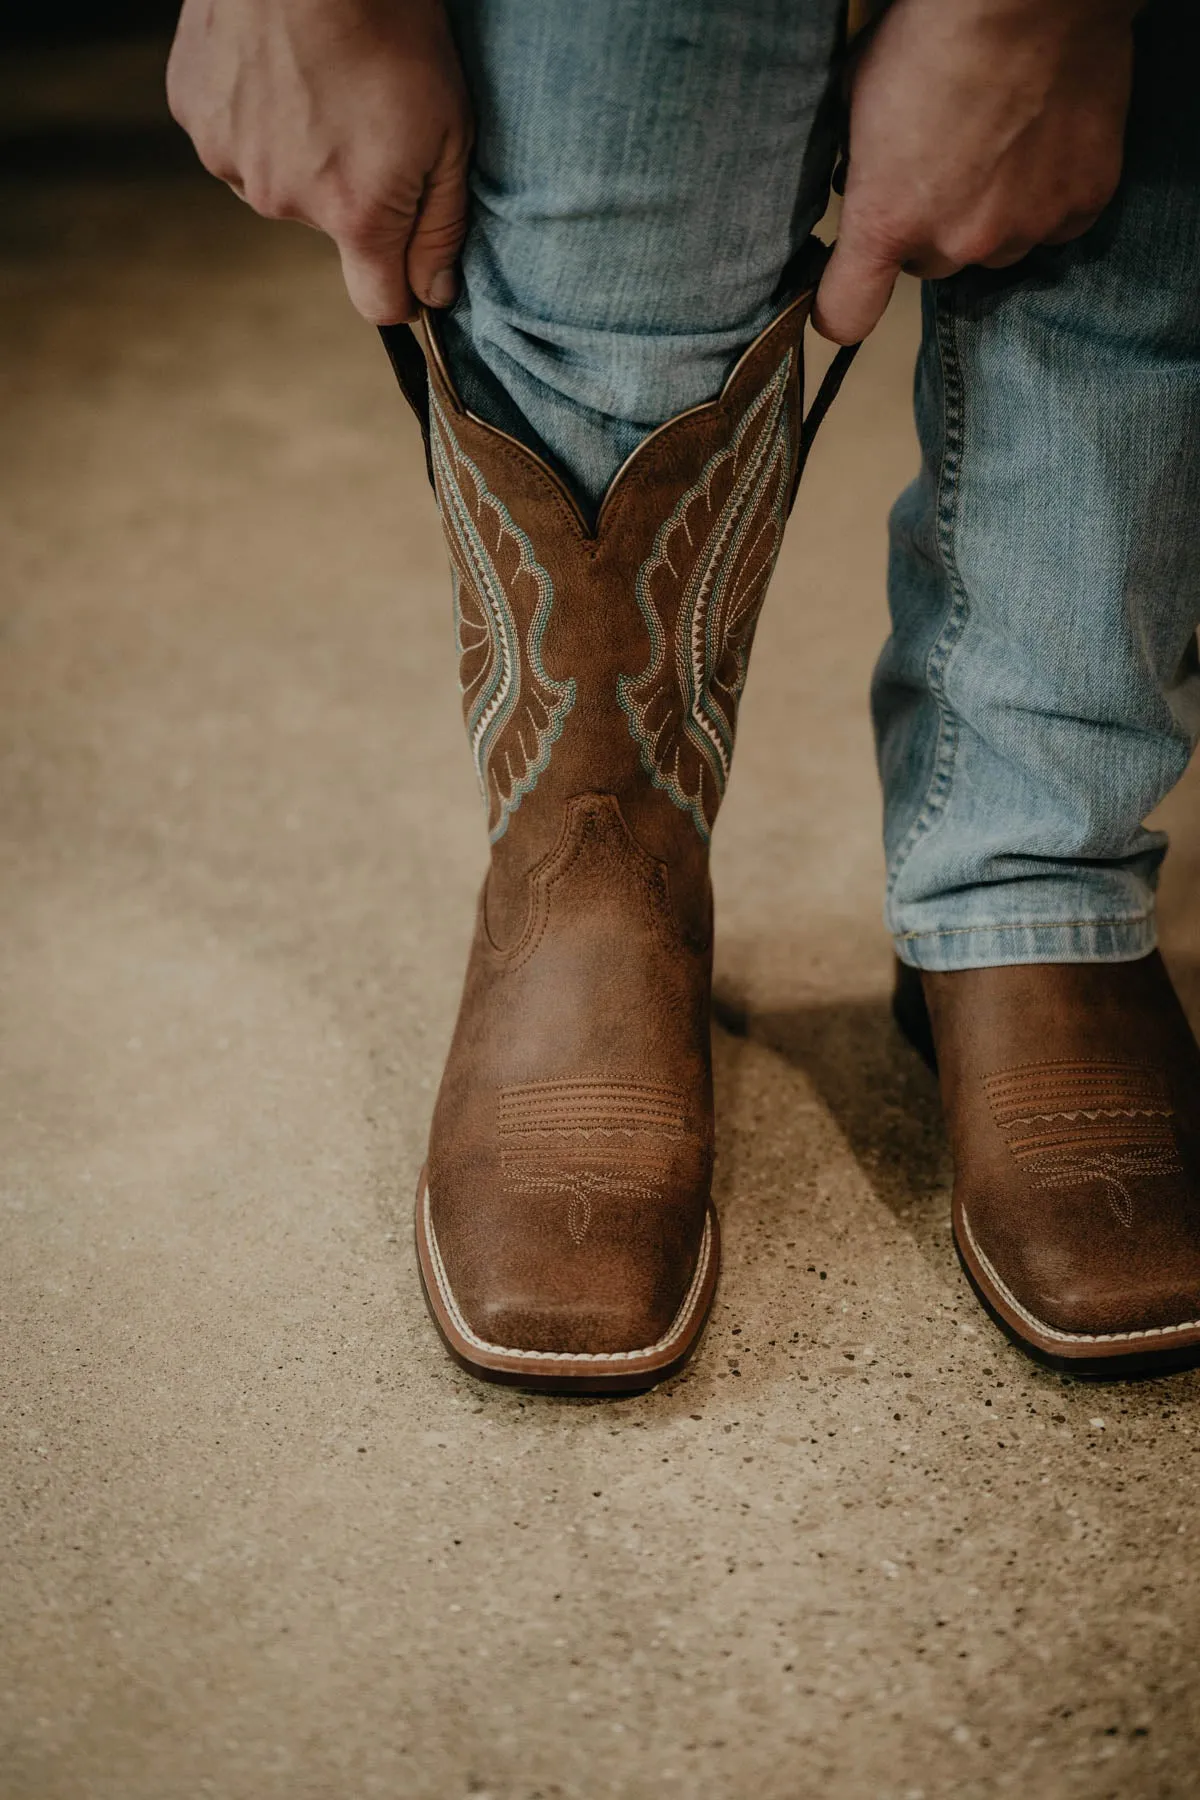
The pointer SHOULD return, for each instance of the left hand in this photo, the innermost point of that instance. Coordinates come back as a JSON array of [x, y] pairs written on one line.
[[978, 129]]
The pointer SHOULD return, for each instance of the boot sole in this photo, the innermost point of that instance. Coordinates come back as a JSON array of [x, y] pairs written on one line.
[[1117, 1356], [566, 1372]]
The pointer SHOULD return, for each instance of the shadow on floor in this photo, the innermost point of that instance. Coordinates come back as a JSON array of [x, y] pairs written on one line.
[[879, 1092], [881, 1096]]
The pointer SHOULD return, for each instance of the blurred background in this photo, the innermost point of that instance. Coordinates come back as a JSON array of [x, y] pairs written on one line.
[[81, 88], [258, 1537]]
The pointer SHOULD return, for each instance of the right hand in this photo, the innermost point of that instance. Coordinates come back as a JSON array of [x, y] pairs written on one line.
[[349, 115]]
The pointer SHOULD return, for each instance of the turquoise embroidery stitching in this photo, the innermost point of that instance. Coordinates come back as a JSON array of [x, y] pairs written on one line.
[[683, 717], [514, 715]]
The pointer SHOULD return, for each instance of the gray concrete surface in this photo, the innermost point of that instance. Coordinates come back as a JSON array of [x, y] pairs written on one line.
[[260, 1539]]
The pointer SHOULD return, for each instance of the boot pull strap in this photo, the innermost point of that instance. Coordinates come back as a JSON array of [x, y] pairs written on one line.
[[823, 399], [408, 366]]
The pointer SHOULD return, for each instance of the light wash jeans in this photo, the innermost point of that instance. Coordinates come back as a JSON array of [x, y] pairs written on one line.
[[647, 173]]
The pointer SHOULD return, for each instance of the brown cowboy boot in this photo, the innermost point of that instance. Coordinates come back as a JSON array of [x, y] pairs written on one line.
[[565, 1230], [1072, 1098]]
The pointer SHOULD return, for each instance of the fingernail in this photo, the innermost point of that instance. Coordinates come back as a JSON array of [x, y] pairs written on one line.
[[443, 288]]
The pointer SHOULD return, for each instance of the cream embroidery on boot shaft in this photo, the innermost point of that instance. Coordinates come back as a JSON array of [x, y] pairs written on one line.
[[514, 710], [700, 592]]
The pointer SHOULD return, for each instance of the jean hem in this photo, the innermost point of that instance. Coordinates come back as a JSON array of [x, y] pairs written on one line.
[[1045, 941]]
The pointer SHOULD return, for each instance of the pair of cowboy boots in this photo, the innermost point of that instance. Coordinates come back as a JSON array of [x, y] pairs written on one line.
[[566, 1234]]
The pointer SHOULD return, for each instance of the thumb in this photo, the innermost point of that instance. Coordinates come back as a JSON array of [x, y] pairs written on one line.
[[856, 286], [441, 226], [374, 273]]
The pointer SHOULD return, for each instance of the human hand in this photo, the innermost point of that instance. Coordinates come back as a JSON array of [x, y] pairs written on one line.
[[350, 115], [978, 129]]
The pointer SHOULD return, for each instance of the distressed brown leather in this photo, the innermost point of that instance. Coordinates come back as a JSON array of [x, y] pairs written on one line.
[[1072, 1097], [570, 1155]]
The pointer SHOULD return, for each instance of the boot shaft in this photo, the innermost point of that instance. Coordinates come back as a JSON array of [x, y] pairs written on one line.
[[611, 658]]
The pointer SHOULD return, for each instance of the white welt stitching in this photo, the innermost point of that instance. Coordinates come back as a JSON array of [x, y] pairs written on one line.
[[1067, 1337], [678, 1325]]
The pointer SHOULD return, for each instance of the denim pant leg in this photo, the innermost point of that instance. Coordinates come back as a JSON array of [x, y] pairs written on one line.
[[1040, 692], [645, 172]]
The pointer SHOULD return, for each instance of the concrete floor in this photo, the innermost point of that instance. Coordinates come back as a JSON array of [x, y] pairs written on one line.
[[261, 1539]]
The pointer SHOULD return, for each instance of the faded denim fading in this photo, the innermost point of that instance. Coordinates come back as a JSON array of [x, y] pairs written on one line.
[[647, 174]]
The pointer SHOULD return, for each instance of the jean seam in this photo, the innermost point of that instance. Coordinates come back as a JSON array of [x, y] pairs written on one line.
[[940, 931], [937, 792]]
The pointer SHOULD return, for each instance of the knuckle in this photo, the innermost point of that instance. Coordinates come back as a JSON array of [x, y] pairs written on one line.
[[879, 240], [268, 197], [258, 192], [1105, 169], [177, 106], [440, 237], [401, 312], [208, 144], [1097, 197], [178, 97], [353, 220], [353, 209], [971, 244], [216, 159]]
